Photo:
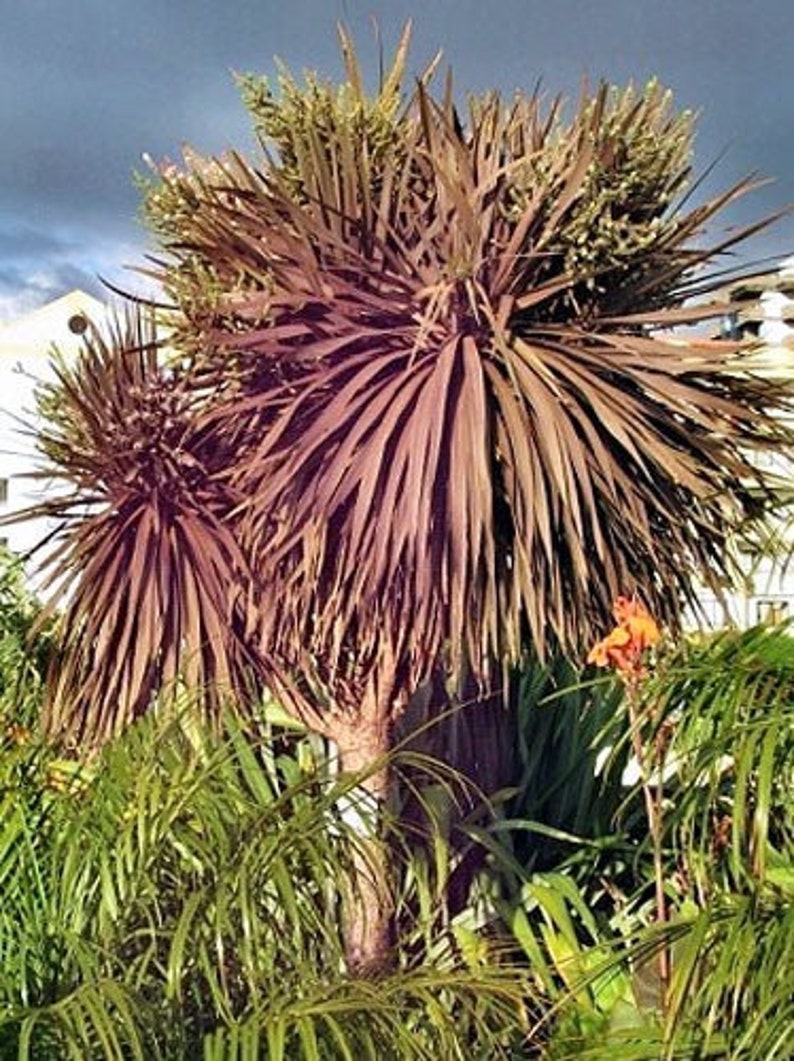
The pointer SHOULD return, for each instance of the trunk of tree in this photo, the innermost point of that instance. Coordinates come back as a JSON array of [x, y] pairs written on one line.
[[368, 906]]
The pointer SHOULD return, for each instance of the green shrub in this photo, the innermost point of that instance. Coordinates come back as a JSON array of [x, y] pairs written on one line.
[[178, 897]]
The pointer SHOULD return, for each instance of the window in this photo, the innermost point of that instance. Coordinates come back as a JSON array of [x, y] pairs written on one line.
[[77, 324], [3, 490], [771, 610]]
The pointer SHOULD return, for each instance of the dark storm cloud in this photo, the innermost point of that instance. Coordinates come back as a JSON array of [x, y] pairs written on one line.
[[85, 89], [56, 280], [25, 240], [23, 289], [94, 85], [87, 86]]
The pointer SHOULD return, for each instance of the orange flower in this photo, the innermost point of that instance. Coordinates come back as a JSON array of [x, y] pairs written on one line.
[[613, 644], [624, 646], [633, 616]]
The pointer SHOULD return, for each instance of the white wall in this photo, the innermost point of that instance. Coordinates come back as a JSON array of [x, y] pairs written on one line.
[[26, 347], [769, 590]]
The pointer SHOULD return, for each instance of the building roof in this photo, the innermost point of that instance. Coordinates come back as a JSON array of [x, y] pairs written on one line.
[[60, 323]]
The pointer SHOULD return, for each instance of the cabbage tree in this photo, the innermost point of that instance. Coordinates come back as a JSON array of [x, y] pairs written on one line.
[[425, 408]]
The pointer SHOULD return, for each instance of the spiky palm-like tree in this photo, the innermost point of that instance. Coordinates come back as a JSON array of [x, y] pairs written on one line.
[[148, 568], [434, 412]]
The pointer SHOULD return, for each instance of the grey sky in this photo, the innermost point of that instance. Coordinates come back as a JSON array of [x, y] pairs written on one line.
[[87, 86]]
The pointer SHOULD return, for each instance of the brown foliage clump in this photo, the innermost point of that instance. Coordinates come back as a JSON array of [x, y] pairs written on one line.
[[424, 405]]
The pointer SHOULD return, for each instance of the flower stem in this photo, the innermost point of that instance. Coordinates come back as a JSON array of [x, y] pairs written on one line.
[[653, 797]]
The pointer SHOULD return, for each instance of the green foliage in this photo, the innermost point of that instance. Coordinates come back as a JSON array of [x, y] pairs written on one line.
[[570, 852], [571, 740], [576, 854], [25, 644], [316, 121], [729, 707], [177, 898]]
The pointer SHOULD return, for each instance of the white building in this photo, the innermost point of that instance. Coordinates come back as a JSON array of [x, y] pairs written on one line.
[[26, 347], [763, 312]]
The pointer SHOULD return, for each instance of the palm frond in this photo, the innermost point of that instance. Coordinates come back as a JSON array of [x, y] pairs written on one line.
[[729, 710], [182, 900]]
